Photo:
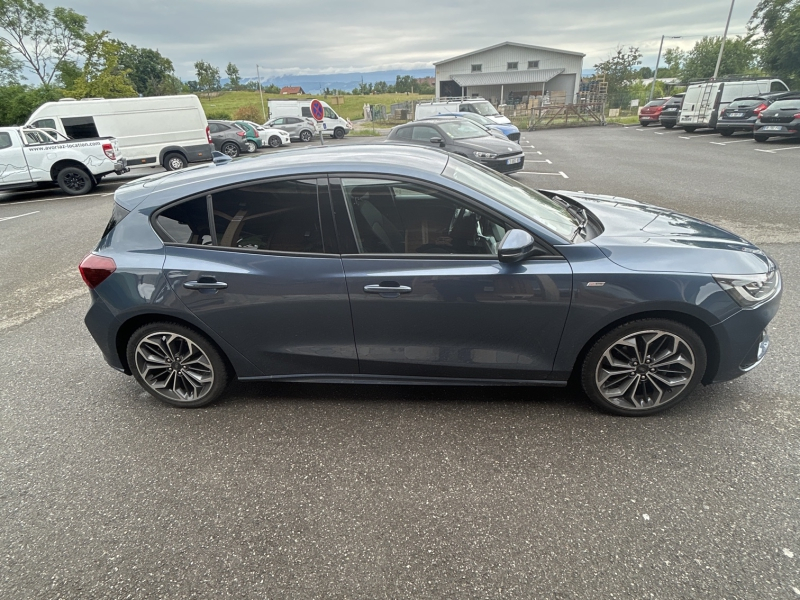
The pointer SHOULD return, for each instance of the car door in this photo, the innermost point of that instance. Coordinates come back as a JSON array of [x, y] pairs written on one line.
[[13, 166], [267, 277], [428, 295]]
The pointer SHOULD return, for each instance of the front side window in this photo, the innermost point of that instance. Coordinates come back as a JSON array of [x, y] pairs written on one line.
[[778, 86], [462, 130], [394, 217], [281, 216], [329, 114], [512, 66], [477, 68], [280, 121], [45, 124], [423, 133]]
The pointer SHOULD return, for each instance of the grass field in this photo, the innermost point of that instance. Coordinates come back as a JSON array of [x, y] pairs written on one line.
[[229, 102]]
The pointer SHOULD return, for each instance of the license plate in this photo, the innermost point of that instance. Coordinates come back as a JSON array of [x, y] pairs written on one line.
[[772, 128], [513, 161], [670, 110], [736, 115]]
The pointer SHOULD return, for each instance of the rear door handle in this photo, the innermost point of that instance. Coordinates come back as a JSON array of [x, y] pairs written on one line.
[[387, 289], [205, 285]]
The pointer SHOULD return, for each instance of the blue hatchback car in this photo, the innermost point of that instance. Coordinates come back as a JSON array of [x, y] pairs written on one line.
[[397, 264]]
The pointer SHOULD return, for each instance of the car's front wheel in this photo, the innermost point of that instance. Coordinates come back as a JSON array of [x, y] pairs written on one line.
[[275, 142], [338, 133], [643, 367], [176, 364], [761, 138], [251, 146], [726, 132], [305, 135]]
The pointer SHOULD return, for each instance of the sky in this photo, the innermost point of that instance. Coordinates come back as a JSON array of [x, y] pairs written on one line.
[[293, 37]]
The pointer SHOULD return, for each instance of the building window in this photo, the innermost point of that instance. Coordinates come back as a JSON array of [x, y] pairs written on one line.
[[477, 68], [533, 64], [512, 66]]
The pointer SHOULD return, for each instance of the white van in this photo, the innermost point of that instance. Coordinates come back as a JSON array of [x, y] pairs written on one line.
[[704, 101], [332, 124], [451, 105], [163, 130]]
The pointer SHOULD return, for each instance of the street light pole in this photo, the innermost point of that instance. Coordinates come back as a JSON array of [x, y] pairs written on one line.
[[261, 93], [724, 35], [658, 60]]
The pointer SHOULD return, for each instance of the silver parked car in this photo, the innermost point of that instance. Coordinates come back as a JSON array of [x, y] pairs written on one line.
[[298, 128]]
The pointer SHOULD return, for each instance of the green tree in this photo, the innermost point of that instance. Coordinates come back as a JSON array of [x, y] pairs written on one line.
[[404, 83], [9, 67], [101, 74], [739, 58], [17, 102], [150, 73], [673, 59], [234, 81], [41, 38], [207, 77], [619, 69], [779, 46], [646, 73]]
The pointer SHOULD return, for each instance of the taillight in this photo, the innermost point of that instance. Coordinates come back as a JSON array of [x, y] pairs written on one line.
[[208, 135], [96, 269], [757, 110], [722, 113], [108, 150], [796, 116], [241, 133]]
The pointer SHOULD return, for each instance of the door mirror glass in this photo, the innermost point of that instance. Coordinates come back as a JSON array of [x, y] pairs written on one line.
[[516, 245], [437, 140]]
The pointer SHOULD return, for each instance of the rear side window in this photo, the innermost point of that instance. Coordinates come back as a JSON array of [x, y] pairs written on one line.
[[80, 127], [5, 140], [187, 223], [280, 216], [424, 134], [305, 111], [403, 133]]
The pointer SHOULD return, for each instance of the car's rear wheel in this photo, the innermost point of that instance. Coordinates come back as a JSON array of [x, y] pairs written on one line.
[[669, 125], [643, 367], [690, 129], [251, 146], [176, 364], [74, 181], [175, 162], [274, 142], [305, 135], [230, 149], [726, 132], [644, 123], [761, 138]]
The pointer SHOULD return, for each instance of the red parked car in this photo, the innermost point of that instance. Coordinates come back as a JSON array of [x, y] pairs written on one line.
[[651, 112]]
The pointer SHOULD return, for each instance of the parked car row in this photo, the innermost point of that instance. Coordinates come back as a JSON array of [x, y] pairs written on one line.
[[768, 110], [235, 137]]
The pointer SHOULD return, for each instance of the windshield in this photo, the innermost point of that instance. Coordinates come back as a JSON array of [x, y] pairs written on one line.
[[477, 118], [484, 108], [786, 105], [655, 103], [513, 194], [462, 130]]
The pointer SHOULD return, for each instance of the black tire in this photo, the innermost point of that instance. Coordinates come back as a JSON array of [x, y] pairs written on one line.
[[644, 380], [690, 129], [726, 132], [275, 142], [306, 135], [74, 181], [175, 162], [760, 138], [644, 124], [669, 125], [170, 340], [230, 149], [250, 146], [338, 133]]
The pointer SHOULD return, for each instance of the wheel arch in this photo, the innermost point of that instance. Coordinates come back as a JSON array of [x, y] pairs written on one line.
[[702, 329], [67, 162], [172, 150]]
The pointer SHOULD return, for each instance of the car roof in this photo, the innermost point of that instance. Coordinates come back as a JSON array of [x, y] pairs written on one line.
[[353, 158]]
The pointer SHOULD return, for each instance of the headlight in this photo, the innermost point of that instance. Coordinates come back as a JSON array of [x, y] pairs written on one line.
[[484, 155], [750, 290]]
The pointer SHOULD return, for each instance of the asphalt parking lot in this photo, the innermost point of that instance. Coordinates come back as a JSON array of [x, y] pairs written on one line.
[[332, 491]]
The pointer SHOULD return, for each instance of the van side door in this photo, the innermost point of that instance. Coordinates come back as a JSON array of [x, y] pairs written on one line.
[[13, 165]]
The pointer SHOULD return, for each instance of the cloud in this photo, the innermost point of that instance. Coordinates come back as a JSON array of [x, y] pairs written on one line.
[[286, 37]]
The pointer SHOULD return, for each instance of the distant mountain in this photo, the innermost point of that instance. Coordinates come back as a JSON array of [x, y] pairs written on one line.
[[313, 84]]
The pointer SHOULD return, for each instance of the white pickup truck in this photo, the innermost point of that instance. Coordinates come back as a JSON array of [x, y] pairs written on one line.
[[32, 157]]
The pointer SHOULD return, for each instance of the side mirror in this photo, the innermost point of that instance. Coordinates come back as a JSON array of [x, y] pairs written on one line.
[[220, 158], [516, 245], [437, 140]]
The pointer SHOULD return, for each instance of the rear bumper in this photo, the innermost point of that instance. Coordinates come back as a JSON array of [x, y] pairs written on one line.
[[735, 125], [121, 166], [103, 327], [786, 131]]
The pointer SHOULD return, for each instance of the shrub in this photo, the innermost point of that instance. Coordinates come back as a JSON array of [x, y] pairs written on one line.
[[218, 115], [250, 112]]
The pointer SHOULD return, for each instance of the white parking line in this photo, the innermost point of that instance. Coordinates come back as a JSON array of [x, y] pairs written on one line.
[[546, 160], [776, 150], [564, 175], [18, 216], [10, 202], [659, 132]]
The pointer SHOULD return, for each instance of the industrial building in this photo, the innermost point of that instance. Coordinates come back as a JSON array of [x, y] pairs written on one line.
[[509, 72]]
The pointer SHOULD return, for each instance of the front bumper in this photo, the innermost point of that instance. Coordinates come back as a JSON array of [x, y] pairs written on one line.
[[502, 164]]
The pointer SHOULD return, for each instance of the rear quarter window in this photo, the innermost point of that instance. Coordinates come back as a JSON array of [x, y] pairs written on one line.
[[5, 140]]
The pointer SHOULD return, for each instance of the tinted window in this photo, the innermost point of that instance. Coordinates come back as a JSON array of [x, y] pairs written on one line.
[[745, 102], [45, 123], [655, 103], [214, 127], [777, 86], [392, 217], [305, 111], [187, 223], [424, 134], [293, 120], [462, 129], [280, 216], [80, 127], [786, 105], [5, 140], [404, 133]]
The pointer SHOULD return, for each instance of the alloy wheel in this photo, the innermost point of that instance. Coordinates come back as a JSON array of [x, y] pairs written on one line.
[[75, 181], [174, 366], [645, 369]]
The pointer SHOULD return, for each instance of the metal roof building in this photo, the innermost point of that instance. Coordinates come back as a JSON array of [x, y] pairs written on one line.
[[510, 70]]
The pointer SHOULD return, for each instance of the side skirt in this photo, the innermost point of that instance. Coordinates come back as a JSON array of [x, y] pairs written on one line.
[[401, 380]]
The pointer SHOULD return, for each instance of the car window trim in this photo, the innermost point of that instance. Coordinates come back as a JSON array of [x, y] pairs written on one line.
[[335, 180], [253, 250]]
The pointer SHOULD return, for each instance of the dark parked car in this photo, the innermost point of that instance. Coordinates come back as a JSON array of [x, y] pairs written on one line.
[[397, 264], [781, 119], [651, 112], [670, 111], [464, 138], [228, 137], [742, 113], [509, 131]]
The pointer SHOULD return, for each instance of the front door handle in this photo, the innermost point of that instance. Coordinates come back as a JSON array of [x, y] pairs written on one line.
[[382, 288], [205, 285]]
